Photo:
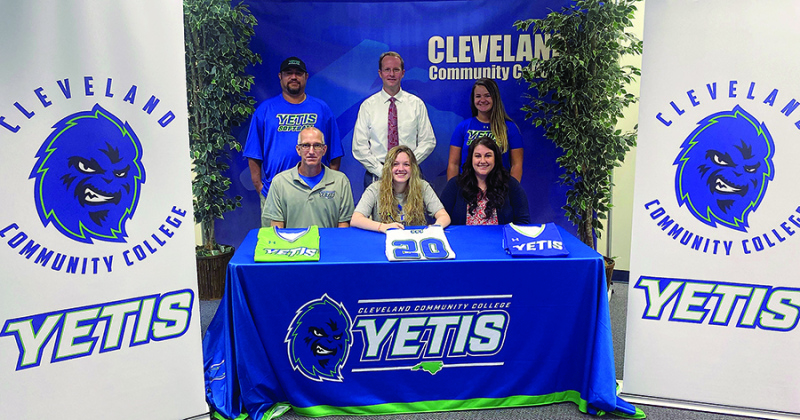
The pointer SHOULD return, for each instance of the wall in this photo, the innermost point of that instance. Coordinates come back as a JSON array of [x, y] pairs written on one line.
[[617, 242]]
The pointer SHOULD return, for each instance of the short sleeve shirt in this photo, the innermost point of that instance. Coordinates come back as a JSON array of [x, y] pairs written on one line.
[[291, 201], [273, 134], [472, 129], [368, 205]]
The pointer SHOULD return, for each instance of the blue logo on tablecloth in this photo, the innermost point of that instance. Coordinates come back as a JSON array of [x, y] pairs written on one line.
[[319, 339]]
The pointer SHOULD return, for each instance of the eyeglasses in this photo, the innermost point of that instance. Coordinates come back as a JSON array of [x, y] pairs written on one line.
[[307, 146]]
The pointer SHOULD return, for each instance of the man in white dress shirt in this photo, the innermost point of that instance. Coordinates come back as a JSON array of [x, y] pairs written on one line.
[[389, 118]]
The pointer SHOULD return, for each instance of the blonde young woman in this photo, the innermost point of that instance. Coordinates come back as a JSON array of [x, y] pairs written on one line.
[[400, 198]]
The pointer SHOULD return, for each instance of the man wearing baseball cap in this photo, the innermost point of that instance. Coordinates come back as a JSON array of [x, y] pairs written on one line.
[[271, 141]]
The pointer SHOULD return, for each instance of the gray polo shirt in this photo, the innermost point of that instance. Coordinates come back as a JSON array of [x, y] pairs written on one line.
[[291, 201]]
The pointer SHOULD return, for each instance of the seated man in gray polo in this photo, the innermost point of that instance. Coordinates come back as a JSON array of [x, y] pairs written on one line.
[[310, 193]]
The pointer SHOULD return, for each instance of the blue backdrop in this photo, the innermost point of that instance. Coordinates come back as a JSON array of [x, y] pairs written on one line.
[[441, 43]]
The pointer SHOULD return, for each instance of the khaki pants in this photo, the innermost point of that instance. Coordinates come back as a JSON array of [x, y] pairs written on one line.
[[263, 205]]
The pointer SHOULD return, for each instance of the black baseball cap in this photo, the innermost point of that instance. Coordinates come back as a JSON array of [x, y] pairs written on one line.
[[293, 62]]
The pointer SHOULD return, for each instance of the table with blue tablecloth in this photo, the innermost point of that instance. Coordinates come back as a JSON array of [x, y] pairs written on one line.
[[355, 334]]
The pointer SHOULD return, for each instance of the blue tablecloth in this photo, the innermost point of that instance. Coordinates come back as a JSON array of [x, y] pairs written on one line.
[[356, 334]]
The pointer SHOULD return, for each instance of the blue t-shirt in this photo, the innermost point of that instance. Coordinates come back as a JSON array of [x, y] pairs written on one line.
[[471, 129], [533, 241], [313, 180], [273, 134]]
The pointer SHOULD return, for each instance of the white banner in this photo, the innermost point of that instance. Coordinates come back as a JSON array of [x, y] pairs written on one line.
[[98, 306], [714, 296]]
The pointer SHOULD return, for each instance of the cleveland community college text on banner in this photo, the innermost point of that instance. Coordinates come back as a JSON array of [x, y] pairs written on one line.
[[98, 306], [714, 296]]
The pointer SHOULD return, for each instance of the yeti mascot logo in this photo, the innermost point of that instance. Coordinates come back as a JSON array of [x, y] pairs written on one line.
[[724, 168], [319, 339], [88, 176]]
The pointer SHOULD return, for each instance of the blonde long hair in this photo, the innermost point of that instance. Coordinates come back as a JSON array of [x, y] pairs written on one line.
[[498, 115], [387, 204]]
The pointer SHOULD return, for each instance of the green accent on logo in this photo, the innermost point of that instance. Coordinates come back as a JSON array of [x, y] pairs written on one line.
[[430, 367]]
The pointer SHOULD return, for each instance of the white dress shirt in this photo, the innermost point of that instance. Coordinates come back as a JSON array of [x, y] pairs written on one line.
[[370, 135]]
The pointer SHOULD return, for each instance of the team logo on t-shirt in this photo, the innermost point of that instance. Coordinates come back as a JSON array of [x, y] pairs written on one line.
[[473, 135], [296, 122], [89, 175], [319, 339], [724, 168]]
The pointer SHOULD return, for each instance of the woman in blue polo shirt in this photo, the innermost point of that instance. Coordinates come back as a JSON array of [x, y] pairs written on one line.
[[489, 119]]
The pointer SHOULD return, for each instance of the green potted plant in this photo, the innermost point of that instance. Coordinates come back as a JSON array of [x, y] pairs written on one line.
[[217, 37], [578, 96]]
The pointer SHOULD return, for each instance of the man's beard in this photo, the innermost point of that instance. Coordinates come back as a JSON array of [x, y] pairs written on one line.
[[294, 91]]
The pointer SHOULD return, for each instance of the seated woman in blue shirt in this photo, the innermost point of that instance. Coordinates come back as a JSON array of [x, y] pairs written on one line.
[[400, 198], [484, 193]]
